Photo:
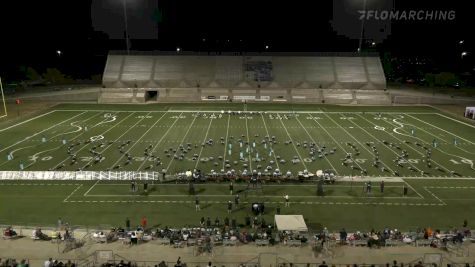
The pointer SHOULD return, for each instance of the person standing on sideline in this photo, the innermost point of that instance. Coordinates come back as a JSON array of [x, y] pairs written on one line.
[[231, 188], [381, 186], [405, 189], [368, 187], [197, 204], [132, 186], [236, 200], [143, 223], [230, 206], [145, 186], [127, 224], [287, 203]]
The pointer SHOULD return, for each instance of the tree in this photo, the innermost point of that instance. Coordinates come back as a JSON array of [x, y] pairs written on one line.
[[430, 79], [32, 74], [445, 79], [388, 65], [54, 76]]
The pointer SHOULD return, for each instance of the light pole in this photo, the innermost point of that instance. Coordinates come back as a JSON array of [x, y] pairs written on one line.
[[126, 27], [362, 27]]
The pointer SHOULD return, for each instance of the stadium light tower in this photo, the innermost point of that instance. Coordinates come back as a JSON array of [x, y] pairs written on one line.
[[362, 28], [126, 27]]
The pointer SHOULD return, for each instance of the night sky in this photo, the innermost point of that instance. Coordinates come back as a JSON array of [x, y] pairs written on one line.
[[85, 30]]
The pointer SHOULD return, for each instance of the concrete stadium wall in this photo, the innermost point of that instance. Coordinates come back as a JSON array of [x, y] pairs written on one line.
[[329, 96], [243, 71], [76, 95]]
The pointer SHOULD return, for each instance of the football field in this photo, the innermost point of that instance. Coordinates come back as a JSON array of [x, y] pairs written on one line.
[[429, 152]]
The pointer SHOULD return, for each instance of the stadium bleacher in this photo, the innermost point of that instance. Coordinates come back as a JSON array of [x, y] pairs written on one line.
[[319, 78]]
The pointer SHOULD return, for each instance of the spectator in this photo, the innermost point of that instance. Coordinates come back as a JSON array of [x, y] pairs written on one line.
[[143, 223], [9, 232], [343, 235], [22, 263], [324, 264], [230, 206], [48, 263], [197, 204], [286, 198], [127, 224]]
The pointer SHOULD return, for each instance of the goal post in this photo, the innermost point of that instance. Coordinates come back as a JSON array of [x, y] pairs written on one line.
[[3, 100]]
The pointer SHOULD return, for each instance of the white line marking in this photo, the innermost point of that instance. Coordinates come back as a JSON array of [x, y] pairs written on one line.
[[181, 142], [441, 129], [204, 141], [85, 145], [267, 132], [28, 137], [313, 140], [430, 192], [262, 111], [248, 145], [226, 142], [160, 140], [137, 141], [447, 117], [89, 190], [293, 144], [20, 123], [72, 193]]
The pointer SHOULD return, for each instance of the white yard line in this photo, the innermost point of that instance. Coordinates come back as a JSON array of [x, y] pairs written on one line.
[[55, 148], [440, 129], [262, 111], [160, 140], [362, 145], [77, 130], [58, 147], [85, 145], [204, 140], [182, 140], [248, 146], [315, 142], [434, 195], [72, 193], [20, 123], [138, 140], [388, 148], [226, 142], [337, 143], [94, 202], [267, 132], [403, 143], [256, 196], [399, 123], [447, 117], [89, 190], [29, 137], [293, 144], [413, 189]]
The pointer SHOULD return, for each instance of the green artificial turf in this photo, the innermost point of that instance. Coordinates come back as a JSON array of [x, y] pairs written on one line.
[[37, 144]]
